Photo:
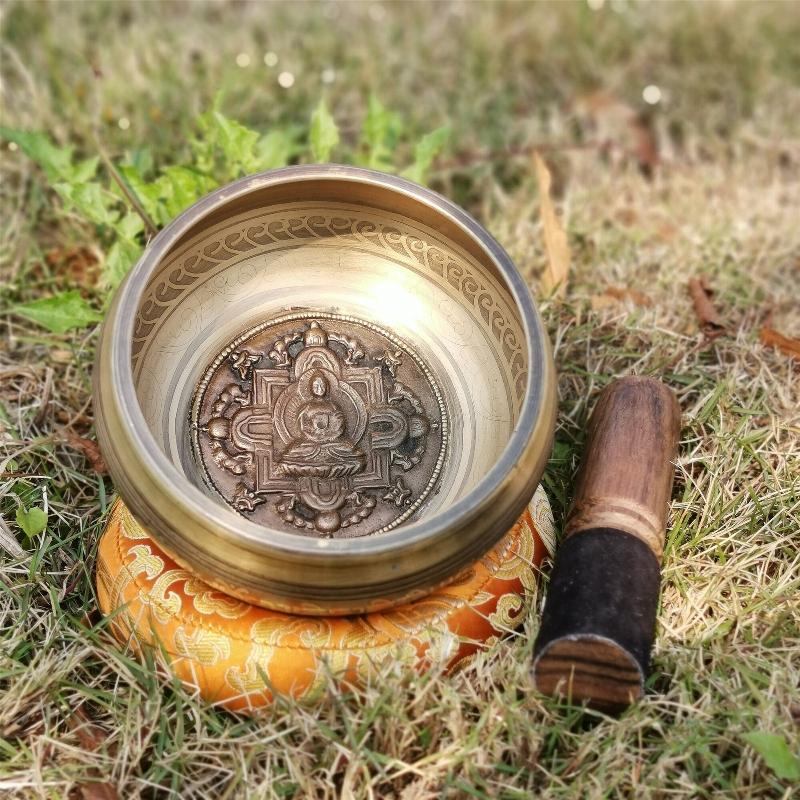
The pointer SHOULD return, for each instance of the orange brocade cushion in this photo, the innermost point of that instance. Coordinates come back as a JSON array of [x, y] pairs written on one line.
[[237, 654]]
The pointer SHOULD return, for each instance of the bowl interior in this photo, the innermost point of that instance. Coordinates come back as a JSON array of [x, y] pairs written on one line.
[[379, 275]]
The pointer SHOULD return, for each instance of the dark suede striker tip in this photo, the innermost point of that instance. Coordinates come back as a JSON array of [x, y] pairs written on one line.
[[599, 619]]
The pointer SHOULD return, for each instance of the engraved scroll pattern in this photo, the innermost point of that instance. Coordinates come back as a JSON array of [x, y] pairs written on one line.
[[265, 235]]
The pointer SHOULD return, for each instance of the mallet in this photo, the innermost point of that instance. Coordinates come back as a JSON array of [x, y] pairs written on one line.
[[599, 617]]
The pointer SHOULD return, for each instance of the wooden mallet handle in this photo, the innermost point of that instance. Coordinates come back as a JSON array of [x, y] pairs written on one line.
[[599, 617]]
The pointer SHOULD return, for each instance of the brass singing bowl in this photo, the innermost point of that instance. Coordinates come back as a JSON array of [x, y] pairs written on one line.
[[325, 390]]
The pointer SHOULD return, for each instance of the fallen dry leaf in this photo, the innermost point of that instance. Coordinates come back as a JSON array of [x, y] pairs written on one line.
[[555, 238], [771, 338], [666, 232], [71, 420], [707, 316], [62, 356], [627, 216], [614, 295], [101, 790], [645, 146], [75, 266], [621, 129], [601, 301], [91, 738], [89, 449]]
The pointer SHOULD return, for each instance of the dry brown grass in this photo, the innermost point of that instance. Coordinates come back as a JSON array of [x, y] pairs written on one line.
[[75, 708]]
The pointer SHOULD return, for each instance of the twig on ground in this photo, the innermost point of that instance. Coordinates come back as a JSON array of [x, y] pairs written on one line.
[[149, 225], [9, 542], [47, 392]]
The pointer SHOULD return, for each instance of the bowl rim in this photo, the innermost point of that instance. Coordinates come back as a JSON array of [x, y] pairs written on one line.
[[191, 502]]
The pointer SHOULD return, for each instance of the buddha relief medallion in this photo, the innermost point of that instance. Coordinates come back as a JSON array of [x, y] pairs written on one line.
[[322, 424]]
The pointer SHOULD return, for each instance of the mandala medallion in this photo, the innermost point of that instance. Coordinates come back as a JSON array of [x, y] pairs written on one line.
[[321, 423]]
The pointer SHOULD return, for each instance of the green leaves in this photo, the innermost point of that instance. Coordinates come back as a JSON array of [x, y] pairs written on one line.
[[124, 252], [122, 255], [181, 188], [773, 748], [223, 150], [32, 521], [55, 161], [323, 135], [276, 149], [426, 150], [90, 200], [379, 141], [148, 194], [171, 193], [379, 135], [237, 143], [59, 313]]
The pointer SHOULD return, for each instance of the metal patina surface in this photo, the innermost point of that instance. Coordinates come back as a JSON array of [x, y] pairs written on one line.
[[376, 392], [323, 424]]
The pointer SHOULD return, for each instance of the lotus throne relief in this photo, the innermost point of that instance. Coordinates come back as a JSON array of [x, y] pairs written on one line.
[[318, 427]]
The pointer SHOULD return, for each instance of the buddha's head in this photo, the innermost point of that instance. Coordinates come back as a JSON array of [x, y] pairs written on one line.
[[319, 386]]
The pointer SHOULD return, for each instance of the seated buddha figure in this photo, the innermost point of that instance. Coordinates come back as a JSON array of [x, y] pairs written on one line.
[[323, 449]]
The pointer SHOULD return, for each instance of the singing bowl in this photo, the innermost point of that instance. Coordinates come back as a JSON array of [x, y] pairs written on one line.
[[325, 390]]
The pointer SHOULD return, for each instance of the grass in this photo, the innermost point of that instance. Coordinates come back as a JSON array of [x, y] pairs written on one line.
[[76, 709]]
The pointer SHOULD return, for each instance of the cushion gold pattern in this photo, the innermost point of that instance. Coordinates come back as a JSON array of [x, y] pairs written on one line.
[[238, 655]]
